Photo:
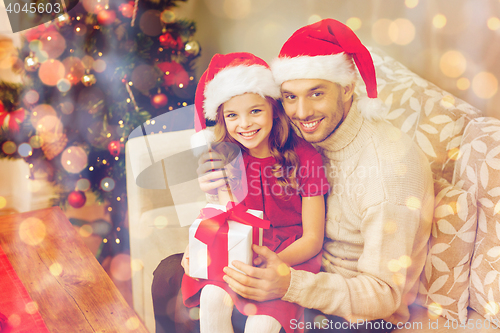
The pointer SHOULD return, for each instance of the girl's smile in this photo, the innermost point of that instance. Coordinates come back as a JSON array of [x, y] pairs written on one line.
[[249, 120]]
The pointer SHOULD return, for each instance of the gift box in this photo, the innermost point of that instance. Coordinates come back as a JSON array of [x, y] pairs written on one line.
[[223, 234]]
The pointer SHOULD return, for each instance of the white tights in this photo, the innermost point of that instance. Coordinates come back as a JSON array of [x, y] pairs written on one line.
[[216, 308]]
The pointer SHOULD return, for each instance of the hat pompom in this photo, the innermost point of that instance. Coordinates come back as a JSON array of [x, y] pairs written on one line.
[[371, 109]]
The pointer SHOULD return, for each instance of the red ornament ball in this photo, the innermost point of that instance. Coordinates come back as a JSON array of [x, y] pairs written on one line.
[[77, 199], [106, 17], [126, 9], [114, 148], [159, 100]]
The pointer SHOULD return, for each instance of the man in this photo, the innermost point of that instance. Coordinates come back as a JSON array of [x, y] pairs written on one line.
[[380, 206]]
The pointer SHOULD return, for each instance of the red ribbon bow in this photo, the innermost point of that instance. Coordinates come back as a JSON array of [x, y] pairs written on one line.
[[11, 119], [213, 230]]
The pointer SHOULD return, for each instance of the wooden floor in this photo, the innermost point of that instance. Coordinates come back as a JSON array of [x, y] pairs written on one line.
[[93, 211]]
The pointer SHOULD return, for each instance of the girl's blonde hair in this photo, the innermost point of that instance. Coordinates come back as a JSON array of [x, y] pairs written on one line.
[[282, 142]]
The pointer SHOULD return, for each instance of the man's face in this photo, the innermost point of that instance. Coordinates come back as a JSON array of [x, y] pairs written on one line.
[[316, 106]]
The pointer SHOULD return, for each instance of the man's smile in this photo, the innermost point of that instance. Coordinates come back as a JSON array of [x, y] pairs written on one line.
[[310, 126]]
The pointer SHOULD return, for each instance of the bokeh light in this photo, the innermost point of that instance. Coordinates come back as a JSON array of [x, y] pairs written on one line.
[[491, 308], [485, 85], [401, 31], [380, 31], [31, 97], [354, 23], [137, 265], [160, 222], [167, 16], [439, 21], [53, 43], [390, 227], [132, 323], [99, 66], [85, 230], [24, 150], [120, 267], [51, 72], [55, 269], [399, 279], [63, 85], [493, 23], [144, 77], [411, 3], [50, 129], [35, 45], [405, 261], [434, 310], [313, 19], [150, 23], [249, 309], [39, 112], [88, 62], [453, 63], [66, 107], [31, 307], [80, 29], [74, 159], [32, 231], [75, 69], [3, 202], [463, 83], [94, 6], [107, 184], [9, 147], [413, 203], [83, 184], [194, 313], [393, 265], [237, 9], [14, 320]]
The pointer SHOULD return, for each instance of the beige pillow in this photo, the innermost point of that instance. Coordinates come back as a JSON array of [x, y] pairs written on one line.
[[478, 171], [434, 118], [444, 283]]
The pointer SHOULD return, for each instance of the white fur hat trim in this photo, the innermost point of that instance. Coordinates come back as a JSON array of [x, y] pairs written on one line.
[[337, 68], [238, 80]]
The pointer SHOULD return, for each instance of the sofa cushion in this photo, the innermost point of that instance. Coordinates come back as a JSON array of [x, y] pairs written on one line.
[[434, 118], [478, 171], [444, 283]]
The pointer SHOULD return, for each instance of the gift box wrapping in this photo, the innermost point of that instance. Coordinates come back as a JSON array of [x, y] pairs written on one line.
[[239, 244]]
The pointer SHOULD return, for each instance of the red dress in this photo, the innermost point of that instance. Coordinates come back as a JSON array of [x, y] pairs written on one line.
[[284, 213]]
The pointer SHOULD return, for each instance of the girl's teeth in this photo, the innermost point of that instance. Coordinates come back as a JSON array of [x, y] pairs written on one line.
[[248, 133]]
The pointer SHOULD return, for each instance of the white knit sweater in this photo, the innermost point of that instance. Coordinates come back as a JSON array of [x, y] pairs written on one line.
[[379, 215]]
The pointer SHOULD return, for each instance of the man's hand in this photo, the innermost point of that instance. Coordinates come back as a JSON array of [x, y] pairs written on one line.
[[260, 284], [210, 175]]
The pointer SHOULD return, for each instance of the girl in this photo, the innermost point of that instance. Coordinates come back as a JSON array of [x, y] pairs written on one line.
[[284, 179]]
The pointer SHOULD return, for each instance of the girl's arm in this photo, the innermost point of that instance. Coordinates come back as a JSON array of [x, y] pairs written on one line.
[[311, 242]]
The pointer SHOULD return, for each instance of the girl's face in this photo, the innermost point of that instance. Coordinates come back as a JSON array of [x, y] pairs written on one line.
[[249, 120]]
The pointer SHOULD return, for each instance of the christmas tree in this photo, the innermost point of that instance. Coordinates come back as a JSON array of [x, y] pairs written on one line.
[[90, 77]]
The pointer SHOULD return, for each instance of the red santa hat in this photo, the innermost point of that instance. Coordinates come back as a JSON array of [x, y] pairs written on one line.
[[231, 75], [326, 50]]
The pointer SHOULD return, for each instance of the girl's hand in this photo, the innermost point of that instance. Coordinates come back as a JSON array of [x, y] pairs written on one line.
[[185, 261], [210, 175]]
